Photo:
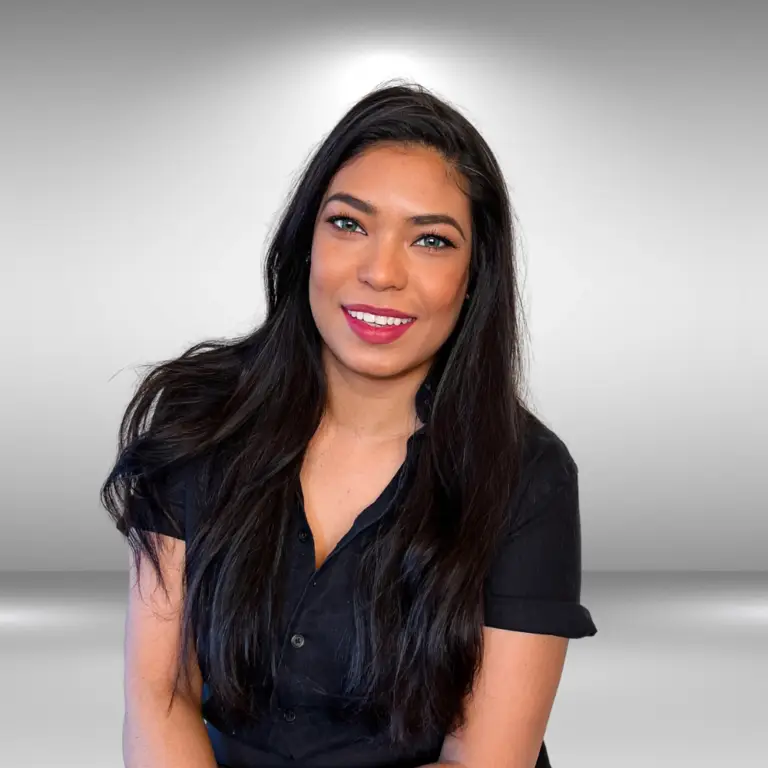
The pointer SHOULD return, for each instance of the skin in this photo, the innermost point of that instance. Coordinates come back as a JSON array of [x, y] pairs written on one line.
[[386, 261]]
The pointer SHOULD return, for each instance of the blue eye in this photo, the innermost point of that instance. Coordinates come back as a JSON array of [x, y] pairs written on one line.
[[446, 242], [334, 219]]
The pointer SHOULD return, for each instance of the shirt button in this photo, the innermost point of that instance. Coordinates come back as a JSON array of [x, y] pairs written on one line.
[[297, 641], [289, 715], [303, 535]]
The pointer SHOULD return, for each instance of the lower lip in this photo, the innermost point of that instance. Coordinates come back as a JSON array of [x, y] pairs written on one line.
[[383, 335]]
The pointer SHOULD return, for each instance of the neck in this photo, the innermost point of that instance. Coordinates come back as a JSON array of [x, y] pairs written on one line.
[[368, 408]]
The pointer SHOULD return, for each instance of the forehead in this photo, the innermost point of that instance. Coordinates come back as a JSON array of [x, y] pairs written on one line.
[[402, 176]]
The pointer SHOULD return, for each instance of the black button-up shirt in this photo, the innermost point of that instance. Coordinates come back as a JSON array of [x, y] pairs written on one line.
[[533, 586]]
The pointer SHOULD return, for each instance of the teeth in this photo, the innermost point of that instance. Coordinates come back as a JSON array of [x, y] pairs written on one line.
[[379, 320]]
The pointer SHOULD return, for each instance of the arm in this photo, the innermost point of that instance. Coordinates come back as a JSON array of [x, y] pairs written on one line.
[[506, 721], [152, 736], [532, 609], [154, 739]]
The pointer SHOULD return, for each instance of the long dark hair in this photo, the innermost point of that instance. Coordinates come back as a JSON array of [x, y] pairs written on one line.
[[249, 407]]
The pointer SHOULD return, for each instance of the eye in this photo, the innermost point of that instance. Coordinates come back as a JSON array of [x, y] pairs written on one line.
[[446, 242], [434, 236], [334, 219]]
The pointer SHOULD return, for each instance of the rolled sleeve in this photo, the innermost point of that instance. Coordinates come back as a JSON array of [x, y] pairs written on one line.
[[534, 584]]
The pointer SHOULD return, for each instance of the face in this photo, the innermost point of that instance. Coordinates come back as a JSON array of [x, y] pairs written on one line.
[[370, 252]]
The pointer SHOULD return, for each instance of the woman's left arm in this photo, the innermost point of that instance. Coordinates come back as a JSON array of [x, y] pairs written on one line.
[[443, 765], [532, 609], [508, 711]]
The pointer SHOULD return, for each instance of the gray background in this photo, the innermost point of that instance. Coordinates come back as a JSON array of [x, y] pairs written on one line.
[[145, 151]]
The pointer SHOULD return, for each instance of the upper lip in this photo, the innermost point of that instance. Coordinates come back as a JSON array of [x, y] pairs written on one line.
[[383, 311]]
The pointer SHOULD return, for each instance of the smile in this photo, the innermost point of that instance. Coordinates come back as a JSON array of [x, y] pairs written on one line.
[[379, 320], [377, 329]]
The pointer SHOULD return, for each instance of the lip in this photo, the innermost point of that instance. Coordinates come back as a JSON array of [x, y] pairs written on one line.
[[384, 335], [383, 311]]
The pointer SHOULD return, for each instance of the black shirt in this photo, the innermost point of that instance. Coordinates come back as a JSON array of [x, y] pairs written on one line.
[[533, 586]]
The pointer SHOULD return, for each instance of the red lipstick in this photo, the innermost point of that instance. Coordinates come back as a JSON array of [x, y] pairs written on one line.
[[384, 334], [385, 311]]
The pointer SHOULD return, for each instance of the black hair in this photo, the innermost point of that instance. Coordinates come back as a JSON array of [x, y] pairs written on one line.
[[249, 406]]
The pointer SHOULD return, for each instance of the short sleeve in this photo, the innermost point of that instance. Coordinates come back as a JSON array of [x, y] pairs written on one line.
[[534, 584], [164, 511]]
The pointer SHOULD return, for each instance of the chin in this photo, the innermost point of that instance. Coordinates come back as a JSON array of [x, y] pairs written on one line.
[[377, 369], [377, 364]]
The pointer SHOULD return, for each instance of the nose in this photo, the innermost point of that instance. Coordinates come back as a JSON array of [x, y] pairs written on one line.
[[383, 266]]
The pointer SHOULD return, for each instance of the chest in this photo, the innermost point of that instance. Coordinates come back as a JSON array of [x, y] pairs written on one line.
[[338, 482]]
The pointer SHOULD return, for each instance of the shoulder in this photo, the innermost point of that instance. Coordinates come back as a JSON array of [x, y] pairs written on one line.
[[547, 464], [540, 440], [534, 582]]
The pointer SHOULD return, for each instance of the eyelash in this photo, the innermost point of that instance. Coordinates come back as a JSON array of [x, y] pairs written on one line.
[[448, 242]]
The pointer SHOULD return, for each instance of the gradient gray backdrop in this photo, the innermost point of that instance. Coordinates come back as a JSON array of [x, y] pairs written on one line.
[[145, 151]]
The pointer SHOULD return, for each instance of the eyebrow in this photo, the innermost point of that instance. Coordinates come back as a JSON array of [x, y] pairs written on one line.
[[369, 208]]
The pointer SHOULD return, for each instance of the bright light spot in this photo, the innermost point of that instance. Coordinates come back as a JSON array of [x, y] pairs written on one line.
[[15, 617], [745, 612], [362, 70], [27, 617]]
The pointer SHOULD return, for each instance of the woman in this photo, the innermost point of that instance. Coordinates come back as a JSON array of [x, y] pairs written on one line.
[[368, 548]]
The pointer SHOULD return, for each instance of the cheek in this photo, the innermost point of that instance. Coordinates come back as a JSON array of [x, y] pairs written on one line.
[[327, 278], [444, 294], [325, 273]]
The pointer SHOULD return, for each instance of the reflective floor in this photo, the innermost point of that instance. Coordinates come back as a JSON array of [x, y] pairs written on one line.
[[676, 676]]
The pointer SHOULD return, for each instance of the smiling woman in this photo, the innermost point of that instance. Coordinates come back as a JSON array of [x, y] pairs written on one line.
[[386, 264], [369, 546]]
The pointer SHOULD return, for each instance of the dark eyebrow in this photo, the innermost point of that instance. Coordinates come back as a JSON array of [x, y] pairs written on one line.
[[428, 218]]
